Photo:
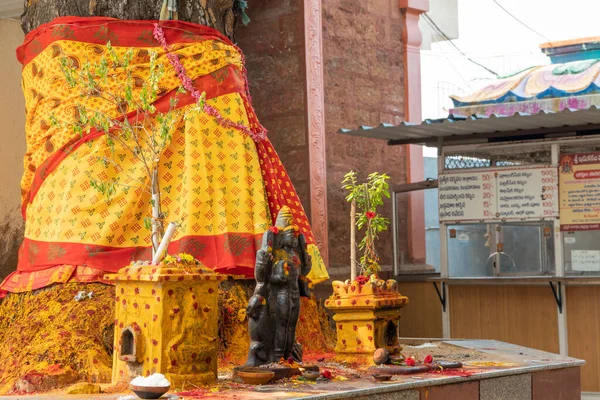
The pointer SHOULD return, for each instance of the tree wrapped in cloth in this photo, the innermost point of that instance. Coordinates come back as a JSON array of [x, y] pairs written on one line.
[[220, 176]]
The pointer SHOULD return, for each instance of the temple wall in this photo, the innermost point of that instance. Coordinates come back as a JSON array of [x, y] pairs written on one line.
[[362, 49], [273, 44], [12, 130], [363, 79]]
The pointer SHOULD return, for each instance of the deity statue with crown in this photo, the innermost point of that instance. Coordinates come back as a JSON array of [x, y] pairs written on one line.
[[282, 266]]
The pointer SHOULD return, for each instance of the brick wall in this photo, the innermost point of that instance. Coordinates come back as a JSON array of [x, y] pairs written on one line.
[[362, 48], [273, 43], [362, 61]]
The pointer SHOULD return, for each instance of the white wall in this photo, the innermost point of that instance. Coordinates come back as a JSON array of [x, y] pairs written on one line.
[[12, 145]]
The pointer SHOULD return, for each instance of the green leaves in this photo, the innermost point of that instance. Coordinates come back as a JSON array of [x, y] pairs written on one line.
[[115, 99], [368, 196], [106, 188]]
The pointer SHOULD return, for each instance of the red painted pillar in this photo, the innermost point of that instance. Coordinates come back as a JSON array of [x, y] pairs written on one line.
[[411, 52], [316, 125]]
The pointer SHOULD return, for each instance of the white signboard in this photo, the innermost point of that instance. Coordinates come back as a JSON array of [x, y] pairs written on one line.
[[585, 260], [502, 194], [466, 196]]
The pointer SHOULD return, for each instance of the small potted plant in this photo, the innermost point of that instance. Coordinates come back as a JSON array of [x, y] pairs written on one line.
[[365, 199], [365, 307]]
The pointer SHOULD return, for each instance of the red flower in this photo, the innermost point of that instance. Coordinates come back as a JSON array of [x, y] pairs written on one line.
[[290, 360], [410, 361], [327, 374], [362, 279], [274, 229], [370, 214], [428, 359]]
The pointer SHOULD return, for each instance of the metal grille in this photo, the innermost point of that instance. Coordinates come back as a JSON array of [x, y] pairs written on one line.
[[589, 148], [496, 158]]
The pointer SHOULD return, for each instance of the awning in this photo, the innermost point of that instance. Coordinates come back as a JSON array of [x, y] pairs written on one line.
[[458, 129]]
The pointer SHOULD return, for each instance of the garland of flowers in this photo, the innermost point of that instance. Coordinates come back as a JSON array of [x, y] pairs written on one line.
[[159, 35]]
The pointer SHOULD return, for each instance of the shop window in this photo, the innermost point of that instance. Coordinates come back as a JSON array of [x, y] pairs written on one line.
[[582, 253], [469, 251], [432, 225], [506, 249]]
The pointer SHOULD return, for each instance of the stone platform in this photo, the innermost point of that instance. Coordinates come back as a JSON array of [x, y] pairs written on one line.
[[492, 371]]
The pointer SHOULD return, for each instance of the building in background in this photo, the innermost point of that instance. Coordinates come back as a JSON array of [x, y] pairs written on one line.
[[519, 210]]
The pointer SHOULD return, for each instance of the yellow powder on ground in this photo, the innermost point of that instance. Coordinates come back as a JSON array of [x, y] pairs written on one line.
[[313, 330], [48, 340], [234, 339]]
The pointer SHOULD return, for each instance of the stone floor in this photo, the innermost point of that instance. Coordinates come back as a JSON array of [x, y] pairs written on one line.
[[492, 371]]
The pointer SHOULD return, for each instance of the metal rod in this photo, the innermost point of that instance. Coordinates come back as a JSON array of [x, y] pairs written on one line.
[[395, 233], [411, 187], [353, 240], [557, 295], [441, 295]]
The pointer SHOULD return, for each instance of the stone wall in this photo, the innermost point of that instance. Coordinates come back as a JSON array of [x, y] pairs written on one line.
[[12, 130], [362, 49], [273, 43], [363, 85]]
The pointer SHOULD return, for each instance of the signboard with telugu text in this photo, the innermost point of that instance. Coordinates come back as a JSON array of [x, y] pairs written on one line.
[[585, 260], [498, 194], [579, 191]]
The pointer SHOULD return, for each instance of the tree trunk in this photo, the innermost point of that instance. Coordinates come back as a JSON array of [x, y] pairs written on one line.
[[218, 14]]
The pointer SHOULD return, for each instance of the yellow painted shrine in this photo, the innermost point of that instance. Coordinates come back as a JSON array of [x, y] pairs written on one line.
[[166, 322], [366, 315]]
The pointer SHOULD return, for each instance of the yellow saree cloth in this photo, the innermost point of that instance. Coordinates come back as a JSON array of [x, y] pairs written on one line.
[[225, 187]]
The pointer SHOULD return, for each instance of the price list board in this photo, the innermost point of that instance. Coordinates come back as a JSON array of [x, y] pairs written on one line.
[[580, 192], [502, 194], [466, 196]]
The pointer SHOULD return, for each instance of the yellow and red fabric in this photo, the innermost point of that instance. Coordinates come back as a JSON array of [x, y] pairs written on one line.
[[224, 187]]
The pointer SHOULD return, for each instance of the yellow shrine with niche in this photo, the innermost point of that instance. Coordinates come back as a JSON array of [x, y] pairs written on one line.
[[167, 322], [366, 315]]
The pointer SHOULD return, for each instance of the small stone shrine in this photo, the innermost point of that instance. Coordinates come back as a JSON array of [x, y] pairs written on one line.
[[167, 322], [366, 315]]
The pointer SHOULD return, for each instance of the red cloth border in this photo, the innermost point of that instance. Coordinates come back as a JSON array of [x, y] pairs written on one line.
[[230, 254], [125, 33], [223, 253], [18, 281]]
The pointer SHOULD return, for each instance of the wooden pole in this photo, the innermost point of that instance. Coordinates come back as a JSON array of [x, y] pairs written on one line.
[[159, 254], [156, 222], [353, 240]]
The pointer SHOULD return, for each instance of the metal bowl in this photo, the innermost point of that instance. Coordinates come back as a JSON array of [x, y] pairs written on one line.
[[311, 375], [256, 377], [382, 377], [149, 392]]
